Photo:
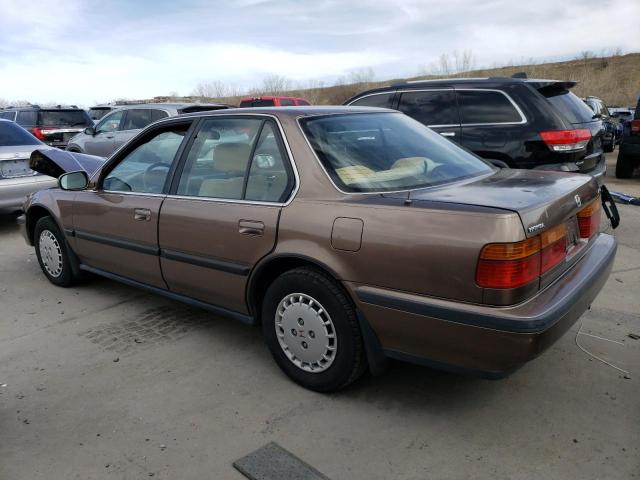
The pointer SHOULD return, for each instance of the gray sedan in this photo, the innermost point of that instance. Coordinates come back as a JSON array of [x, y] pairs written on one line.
[[17, 180], [122, 124]]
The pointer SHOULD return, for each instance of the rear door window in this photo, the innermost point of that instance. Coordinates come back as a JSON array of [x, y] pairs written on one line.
[[158, 114], [382, 100], [137, 118], [27, 118], [287, 102], [436, 107], [64, 118], [574, 109], [486, 107]]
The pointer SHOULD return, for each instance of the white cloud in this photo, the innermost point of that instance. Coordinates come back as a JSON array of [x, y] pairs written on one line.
[[90, 50]]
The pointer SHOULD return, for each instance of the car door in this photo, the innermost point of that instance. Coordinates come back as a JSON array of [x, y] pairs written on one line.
[[222, 215], [115, 225], [435, 108], [101, 144], [493, 125]]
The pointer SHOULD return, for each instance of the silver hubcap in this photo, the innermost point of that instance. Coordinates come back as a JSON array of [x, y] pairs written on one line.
[[306, 333], [50, 253]]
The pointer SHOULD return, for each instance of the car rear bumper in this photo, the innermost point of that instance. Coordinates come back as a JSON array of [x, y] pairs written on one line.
[[598, 171], [484, 340], [14, 190]]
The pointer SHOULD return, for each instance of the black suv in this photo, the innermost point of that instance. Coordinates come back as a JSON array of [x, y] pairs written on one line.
[[612, 128], [52, 125], [629, 152], [512, 122]]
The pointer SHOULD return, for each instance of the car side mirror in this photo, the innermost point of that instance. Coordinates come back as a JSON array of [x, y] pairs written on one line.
[[90, 131], [73, 180]]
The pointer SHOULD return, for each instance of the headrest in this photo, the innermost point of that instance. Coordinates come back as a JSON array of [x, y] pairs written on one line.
[[231, 157]]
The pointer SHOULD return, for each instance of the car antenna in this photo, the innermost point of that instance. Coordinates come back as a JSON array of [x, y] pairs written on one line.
[[408, 201]]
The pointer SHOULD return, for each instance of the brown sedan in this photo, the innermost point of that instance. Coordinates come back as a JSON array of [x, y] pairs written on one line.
[[350, 234]]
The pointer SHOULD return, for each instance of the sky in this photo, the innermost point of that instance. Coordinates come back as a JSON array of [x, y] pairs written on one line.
[[85, 51]]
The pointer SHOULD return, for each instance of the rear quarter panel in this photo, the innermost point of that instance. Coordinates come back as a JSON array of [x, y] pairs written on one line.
[[423, 248]]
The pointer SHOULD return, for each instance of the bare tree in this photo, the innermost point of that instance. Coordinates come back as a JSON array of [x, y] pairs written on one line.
[[215, 89], [275, 85], [362, 76]]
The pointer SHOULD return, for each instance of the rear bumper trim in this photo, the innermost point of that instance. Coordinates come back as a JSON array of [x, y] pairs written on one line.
[[574, 290]]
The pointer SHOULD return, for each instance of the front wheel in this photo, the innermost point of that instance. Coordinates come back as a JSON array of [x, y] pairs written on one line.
[[52, 253], [312, 331]]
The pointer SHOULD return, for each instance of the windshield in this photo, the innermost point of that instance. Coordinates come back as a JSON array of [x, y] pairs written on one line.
[[12, 135], [64, 118], [386, 151]]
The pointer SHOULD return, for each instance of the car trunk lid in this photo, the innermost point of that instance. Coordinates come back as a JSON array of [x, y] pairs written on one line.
[[542, 199]]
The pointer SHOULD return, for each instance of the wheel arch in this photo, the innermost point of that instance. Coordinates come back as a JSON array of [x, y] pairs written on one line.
[[270, 268], [35, 213]]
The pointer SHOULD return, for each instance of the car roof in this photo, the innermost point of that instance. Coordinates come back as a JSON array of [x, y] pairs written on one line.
[[293, 111], [173, 106], [486, 82]]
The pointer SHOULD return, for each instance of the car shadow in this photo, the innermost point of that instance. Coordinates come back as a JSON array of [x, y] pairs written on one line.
[[8, 223]]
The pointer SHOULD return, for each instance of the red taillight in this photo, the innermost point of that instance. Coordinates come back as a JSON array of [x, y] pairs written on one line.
[[512, 265], [566, 140], [589, 219], [509, 273], [635, 127], [37, 133]]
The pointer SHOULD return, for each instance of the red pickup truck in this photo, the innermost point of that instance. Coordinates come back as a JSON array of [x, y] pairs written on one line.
[[272, 102]]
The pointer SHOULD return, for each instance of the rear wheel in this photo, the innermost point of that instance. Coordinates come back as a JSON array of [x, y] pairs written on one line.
[[624, 166], [52, 252], [610, 147], [312, 331]]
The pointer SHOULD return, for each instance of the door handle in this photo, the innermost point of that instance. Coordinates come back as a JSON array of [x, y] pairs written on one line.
[[109, 136], [251, 227], [448, 134], [142, 214]]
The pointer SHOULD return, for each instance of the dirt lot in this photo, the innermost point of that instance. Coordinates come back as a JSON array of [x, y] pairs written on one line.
[[103, 381]]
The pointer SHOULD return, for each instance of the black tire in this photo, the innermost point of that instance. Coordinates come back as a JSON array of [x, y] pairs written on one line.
[[610, 147], [349, 361], [46, 227], [624, 166]]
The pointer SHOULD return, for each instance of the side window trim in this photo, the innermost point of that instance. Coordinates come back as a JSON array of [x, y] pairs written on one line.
[[523, 118], [135, 143], [252, 154], [283, 143]]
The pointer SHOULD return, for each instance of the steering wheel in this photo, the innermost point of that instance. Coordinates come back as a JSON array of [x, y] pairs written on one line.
[[152, 174]]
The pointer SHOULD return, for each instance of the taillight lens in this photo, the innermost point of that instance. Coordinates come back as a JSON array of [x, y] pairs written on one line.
[[37, 133], [554, 247], [635, 127], [508, 274], [512, 265], [589, 219], [566, 140]]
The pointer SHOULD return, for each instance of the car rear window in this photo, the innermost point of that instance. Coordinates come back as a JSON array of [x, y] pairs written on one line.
[[486, 107], [257, 103], [385, 152], [574, 109], [12, 135], [64, 118]]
